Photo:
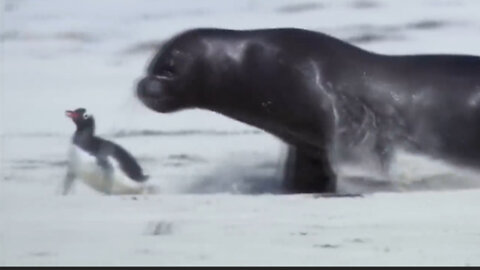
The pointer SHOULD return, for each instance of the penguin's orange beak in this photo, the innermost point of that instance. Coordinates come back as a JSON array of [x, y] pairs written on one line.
[[71, 114]]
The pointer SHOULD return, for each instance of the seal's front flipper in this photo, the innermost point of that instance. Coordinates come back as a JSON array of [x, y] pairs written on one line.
[[338, 195], [309, 172]]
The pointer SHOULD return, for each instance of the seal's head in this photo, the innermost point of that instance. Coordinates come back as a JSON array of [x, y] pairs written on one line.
[[175, 76]]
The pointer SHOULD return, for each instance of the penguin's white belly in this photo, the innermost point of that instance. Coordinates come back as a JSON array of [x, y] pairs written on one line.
[[85, 167]]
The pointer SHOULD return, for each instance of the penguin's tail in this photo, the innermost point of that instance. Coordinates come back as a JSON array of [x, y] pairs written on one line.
[[139, 178], [144, 178]]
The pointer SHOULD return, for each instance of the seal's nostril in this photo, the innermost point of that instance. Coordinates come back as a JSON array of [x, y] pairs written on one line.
[[153, 87], [149, 87]]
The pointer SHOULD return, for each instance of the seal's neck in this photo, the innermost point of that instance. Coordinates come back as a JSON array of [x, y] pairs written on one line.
[[260, 114]]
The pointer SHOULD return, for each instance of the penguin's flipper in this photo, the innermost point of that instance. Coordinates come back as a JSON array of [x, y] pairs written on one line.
[[107, 170], [128, 163]]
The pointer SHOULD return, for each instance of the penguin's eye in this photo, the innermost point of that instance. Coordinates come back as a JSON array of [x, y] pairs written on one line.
[[86, 116]]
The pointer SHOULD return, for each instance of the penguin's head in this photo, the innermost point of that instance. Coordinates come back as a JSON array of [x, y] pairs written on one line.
[[81, 118]]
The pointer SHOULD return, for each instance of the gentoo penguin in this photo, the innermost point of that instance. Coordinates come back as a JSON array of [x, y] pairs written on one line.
[[101, 164]]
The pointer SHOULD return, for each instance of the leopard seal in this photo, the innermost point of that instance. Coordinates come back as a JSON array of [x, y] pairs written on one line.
[[322, 96]]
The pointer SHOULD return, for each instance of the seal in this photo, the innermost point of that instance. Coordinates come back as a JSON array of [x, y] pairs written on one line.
[[327, 99]]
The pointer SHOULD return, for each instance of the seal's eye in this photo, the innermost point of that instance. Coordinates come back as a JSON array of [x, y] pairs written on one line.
[[86, 116], [169, 70]]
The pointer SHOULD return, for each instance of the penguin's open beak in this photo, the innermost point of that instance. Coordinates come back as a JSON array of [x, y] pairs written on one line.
[[71, 114]]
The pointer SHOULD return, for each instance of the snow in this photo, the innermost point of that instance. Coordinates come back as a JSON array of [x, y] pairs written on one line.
[[218, 200], [428, 228]]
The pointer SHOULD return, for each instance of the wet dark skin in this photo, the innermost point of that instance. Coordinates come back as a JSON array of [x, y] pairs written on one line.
[[322, 96]]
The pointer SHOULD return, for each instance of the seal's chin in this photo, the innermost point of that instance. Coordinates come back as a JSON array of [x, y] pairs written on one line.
[[162, 105]]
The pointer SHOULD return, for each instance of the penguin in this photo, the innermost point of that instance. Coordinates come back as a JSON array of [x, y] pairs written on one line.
[[103, 165]]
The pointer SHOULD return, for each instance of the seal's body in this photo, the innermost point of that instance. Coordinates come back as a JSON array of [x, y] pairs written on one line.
[[322, 96]]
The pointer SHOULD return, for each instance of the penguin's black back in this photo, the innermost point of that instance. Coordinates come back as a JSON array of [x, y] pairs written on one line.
[[102, 149]]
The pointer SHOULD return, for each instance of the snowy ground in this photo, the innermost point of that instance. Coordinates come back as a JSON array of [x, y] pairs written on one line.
[[218, 200]]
